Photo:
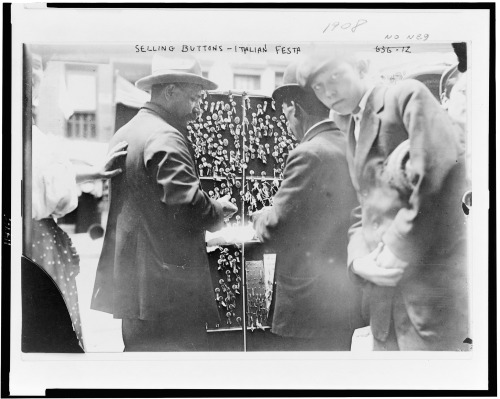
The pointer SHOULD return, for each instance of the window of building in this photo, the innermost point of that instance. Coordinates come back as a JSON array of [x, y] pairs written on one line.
[[246, 82], [81, 125], [278, 79], [81, 101]]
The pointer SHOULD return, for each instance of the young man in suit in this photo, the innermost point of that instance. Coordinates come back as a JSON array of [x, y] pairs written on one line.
[[408, 248], [307, 225], [153, 270]]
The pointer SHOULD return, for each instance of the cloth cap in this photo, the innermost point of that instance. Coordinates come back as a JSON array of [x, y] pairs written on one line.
[[311, 66], [292, 91]]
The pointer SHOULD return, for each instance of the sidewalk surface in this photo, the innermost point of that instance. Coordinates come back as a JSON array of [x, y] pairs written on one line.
[[101, 332]]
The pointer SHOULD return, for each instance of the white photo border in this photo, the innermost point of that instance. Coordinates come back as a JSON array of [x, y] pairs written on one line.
[[31, 374]]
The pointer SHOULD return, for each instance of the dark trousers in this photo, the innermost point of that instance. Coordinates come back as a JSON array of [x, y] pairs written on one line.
[[163, 336]]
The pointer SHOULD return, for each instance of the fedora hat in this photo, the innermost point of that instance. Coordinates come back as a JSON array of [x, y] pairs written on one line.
[[174, 69], [291, 90]]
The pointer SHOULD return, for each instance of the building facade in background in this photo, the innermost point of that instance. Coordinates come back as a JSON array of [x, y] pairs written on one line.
[[83, 84], [79, 91]]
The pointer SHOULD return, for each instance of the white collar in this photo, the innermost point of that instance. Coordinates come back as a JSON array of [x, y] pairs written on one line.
[[315, 125]]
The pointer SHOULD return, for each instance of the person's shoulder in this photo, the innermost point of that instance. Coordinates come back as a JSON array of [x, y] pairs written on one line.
[[155, 123], [326, 146], [305, 150], [409, 85], [407, 88], [409, 94], [330, 141], [163, 137], [144, 126]]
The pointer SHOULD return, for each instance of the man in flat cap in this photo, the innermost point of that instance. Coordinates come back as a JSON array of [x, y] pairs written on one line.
[[408, 248], [153, 270], [307, 225]]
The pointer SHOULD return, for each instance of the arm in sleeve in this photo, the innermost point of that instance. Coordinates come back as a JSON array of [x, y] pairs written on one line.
[[279, 223], [173, 169], [434, 154], [357, 246]]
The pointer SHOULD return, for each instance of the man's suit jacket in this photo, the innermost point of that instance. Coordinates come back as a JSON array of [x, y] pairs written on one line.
[[424, 227], [307, 226], [154, 263]]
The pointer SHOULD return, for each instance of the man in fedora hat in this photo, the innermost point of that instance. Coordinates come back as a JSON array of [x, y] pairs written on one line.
[[153, 270], [407, 249], [307, 226]]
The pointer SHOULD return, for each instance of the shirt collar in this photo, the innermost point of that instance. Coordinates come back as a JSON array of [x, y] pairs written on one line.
[[315, 126]]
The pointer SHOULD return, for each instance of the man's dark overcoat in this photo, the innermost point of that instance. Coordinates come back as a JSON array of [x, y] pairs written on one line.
[[307, 225], [154, 263]]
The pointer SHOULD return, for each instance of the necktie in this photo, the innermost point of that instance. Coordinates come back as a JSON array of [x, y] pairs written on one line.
[[351, 140], [357, 126]]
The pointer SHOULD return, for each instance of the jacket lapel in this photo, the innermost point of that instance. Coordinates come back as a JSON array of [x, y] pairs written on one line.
[[346, 124], [370, 125]]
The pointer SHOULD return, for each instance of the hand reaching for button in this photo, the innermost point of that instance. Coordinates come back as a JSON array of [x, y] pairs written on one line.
[[228, 207]]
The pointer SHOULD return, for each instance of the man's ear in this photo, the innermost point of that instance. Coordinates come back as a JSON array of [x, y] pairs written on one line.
[[288, 105], [168, 90], [299, 111]]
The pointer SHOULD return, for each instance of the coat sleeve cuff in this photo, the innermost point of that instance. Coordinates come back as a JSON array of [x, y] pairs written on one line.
[[354, 278], [217, 217], [398, 245]]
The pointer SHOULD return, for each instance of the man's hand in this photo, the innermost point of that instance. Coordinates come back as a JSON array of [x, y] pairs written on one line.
[[105, 171], [388, 260], [255, 215], [228, 207], [368, 268]]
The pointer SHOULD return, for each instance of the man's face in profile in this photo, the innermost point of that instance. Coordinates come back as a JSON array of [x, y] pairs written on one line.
[[185, 102], [289, 112]]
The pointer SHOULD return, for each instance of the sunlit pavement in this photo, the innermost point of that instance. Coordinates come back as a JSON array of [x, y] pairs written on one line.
[[101, 332]]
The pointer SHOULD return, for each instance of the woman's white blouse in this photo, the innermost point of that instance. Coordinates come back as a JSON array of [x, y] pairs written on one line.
[[54, 188]]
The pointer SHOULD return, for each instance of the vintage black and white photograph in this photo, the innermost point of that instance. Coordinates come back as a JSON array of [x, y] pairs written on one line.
[[247, 198], [268, 197]]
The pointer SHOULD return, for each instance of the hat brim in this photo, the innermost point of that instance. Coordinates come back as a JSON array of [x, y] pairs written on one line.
[[308, 70], [289, 91], [307, 98], [182, 77]]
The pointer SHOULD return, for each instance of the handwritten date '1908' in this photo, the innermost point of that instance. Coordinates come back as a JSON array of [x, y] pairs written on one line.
[[339, 26]]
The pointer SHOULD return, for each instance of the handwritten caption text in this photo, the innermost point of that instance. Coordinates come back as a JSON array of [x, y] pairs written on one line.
[[340, 26], [217, 48]]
